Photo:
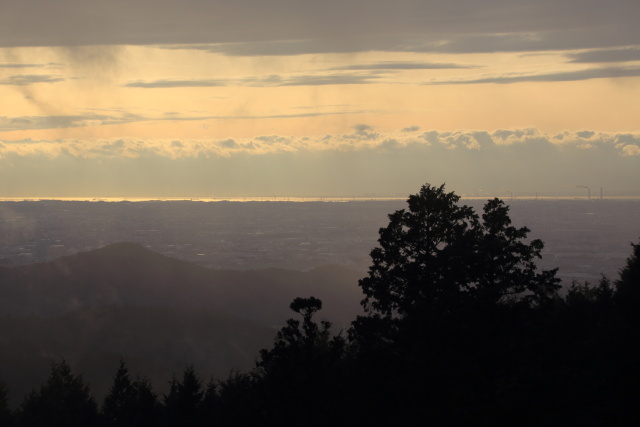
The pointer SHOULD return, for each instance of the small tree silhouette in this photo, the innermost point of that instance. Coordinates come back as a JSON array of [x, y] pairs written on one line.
[[183, 403], [62, 401], [628, 285], [6, 417], [130, 403], [299, 374]]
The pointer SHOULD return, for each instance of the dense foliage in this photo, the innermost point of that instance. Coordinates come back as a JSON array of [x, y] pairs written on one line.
[[459, 329]]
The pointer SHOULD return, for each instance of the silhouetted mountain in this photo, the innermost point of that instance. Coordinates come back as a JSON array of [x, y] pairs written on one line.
[[129, 274]]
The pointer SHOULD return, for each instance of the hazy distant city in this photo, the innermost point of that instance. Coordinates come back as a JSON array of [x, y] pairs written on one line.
[[585, 238]]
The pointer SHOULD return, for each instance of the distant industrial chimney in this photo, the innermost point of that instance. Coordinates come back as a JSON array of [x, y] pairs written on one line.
[[588, 189]]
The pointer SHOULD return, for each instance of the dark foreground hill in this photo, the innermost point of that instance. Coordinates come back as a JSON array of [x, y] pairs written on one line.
[[157, 313]]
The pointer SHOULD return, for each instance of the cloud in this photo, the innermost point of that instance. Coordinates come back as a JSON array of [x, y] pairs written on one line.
[[606, 55], [287, 27], [67, 121], [121, 117], [398, 66], [164, 84], [272, 80], [446, 41], [563, 76], [27, 79], [631, 150], [7, 65], [519, 160]]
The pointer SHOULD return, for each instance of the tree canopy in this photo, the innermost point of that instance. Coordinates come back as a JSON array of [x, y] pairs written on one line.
[[438, 254]]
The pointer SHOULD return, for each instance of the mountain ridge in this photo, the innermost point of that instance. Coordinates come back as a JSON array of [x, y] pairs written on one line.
[[128, 274]]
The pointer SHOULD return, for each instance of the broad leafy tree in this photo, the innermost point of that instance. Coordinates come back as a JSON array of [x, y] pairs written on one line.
[[446, 287], [438, 254]]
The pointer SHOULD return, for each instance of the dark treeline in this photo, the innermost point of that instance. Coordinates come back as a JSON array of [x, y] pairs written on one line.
[[460, 328]]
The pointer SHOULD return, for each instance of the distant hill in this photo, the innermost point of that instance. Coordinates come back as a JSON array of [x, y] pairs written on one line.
[[129, 274], [156, 312]]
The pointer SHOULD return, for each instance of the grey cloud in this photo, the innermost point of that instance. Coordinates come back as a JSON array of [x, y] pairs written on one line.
[[249, 27], [27, 79], [6, 65], [410, 129], [444, 41], [229, 143], [20, 120], [273, 139], [431, 137], [606, 55], [523, 41], [265, 81], [73, 121], [609, 160], [363, 132], [389, 143], [403, 66], [311, 80], [594, 73], [176, 83], [61, 121], [585, 134]]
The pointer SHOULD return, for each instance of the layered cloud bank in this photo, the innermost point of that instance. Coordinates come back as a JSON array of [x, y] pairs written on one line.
[[523, 162], [364, 137], [260, 98]]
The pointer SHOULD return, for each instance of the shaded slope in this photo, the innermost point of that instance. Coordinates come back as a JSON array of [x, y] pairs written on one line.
[[155, 342], [128, 274]]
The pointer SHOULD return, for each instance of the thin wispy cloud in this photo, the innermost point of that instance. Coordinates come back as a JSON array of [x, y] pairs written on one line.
[[167, 84], [28, 79], [400, 66], [7, 65], [8, 124], [565, 76], [265, 81]]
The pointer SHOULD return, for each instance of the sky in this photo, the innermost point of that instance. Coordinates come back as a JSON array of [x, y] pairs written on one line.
[[353, 98]]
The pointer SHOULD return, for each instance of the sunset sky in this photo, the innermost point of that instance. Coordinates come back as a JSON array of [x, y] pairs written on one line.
[[249, 98]]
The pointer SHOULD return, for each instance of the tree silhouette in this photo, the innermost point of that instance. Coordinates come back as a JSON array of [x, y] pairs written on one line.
[[62, 401], [182, 406], [6, 417], [130, 403], [299, 375], [438, 255], [628, 285], [446, 288]]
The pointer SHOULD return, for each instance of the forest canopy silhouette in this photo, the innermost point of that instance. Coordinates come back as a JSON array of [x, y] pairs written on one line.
[[459, 328]]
